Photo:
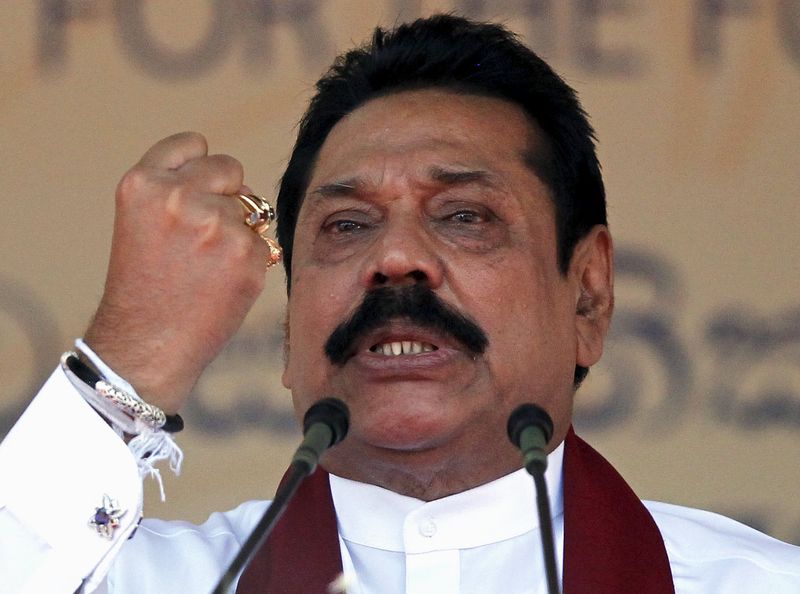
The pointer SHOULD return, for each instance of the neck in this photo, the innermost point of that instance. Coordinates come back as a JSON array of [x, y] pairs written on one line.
[[426, 475]]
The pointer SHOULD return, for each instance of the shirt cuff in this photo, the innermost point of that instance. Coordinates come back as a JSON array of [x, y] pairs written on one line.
[[58, 463]]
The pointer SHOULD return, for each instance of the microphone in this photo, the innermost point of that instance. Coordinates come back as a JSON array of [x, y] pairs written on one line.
[[530, 429], [324, 425]]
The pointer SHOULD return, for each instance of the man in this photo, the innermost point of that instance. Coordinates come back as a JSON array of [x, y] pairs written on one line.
[[443, 224]]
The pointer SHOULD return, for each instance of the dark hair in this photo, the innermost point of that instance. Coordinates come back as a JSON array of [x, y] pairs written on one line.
[[450, 52]]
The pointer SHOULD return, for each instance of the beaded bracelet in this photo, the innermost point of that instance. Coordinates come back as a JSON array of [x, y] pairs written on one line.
[[149, 414]]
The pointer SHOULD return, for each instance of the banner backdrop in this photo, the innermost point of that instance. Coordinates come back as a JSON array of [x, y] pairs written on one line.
[[697, 399]]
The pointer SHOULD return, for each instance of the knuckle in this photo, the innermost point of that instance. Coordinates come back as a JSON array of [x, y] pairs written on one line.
[[175, 204], [212, 228], [232, 165], [194, 139], [228, 173], [132, 184]]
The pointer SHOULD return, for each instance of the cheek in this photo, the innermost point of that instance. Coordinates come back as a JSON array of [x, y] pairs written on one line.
[[316, 306], [305, 374], [531, 332]]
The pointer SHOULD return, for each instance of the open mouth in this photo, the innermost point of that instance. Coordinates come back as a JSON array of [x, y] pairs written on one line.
[[402, 347]]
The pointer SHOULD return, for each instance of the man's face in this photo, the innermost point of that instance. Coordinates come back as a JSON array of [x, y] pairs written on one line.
[[432, 188]]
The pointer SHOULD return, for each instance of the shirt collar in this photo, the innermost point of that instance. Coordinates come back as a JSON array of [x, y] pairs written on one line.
[[501, 509]]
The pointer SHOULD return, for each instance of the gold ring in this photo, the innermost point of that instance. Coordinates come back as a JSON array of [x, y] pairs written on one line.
[[259, 214]]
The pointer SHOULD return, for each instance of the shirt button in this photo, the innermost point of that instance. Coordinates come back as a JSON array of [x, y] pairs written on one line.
[[427, 528]]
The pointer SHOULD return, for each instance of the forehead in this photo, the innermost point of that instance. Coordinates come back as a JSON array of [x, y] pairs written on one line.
[[426, 129]]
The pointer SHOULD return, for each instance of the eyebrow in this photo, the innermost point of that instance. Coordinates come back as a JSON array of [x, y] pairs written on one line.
[[458, 177], [348, 187], [356, 186]]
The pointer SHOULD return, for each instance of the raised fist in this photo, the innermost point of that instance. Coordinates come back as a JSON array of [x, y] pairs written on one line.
[[184, 269]]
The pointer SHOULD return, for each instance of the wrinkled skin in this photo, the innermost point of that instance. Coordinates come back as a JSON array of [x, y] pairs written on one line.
[[184, 269], [430, 186], [418, 187]]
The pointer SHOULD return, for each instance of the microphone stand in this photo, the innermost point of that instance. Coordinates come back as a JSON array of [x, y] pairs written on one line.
[[324, 425], [264, 527], [530, 428], [546, 524]]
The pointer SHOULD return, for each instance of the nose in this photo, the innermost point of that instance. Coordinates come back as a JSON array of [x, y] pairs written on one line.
[[404, 254]]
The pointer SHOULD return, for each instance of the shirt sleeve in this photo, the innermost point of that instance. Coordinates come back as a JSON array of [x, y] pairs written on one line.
[[58, 464], [712, 553], [175, 556]]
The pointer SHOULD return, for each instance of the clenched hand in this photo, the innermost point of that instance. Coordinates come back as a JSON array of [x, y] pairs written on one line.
[[184, 269]]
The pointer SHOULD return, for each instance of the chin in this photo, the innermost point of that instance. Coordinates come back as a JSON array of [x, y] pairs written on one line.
[[402, 432]]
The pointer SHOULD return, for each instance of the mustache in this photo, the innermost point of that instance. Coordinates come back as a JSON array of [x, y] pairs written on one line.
[[417, 304]]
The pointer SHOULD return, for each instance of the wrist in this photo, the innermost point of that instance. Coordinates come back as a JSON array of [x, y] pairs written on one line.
[[152, 379], [114, 396]]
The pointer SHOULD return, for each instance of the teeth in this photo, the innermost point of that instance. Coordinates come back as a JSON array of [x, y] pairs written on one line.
[[405, 347]]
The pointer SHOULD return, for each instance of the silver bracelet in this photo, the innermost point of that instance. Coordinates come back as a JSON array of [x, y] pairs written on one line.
[[149, 414], [121, 400]]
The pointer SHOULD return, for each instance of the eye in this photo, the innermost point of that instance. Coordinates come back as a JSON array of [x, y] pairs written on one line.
[[346, 223], [345, 226], [467, 217], [472, 225]]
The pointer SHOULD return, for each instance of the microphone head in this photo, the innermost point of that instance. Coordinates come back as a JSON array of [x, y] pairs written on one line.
[[331, 412], [529, 415]]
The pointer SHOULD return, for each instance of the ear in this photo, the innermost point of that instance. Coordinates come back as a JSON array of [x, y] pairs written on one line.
[[592, 267], [286, 379]]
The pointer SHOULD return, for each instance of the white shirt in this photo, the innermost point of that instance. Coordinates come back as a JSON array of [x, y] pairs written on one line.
[[451, 545], [483, 540]]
